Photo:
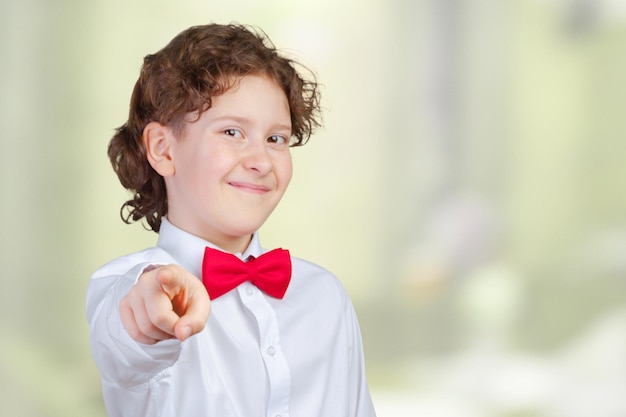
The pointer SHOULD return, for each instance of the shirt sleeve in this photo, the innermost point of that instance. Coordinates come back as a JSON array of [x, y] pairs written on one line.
[[362, 405], [120, 359]]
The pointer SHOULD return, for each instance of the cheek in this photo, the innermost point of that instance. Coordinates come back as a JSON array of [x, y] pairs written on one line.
[[285, 171], [213, 166]]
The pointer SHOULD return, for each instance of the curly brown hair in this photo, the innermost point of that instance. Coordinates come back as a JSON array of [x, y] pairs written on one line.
[[199, 63]]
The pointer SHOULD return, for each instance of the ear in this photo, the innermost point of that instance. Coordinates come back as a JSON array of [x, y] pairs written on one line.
[[157, 140]]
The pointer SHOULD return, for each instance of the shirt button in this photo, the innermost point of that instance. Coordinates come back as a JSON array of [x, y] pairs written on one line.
[[271, 351], [249, 291]]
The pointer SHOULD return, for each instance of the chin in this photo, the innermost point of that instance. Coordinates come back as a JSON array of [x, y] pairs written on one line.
[[239, 232], [248, 226]]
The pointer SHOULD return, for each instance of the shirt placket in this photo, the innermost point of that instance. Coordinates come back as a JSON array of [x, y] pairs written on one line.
[[270, 349]]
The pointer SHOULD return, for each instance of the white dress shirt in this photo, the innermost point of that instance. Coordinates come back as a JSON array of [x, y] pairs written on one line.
[[301, 356]]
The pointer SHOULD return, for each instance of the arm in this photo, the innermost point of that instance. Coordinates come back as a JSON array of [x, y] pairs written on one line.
[[362, 405], [124, 360]]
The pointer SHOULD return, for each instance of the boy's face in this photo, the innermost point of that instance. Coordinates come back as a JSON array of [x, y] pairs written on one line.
[[232, 166]]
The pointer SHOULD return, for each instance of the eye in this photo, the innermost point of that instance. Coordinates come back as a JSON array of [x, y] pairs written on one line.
[[233, 132], [277, 139]]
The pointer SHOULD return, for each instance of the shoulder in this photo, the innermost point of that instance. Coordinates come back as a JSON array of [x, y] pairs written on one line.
[[314, 278], [309, 268], [124, 263]]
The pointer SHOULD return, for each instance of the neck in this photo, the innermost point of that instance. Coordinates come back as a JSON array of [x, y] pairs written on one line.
[[226, 242], [235, 245]]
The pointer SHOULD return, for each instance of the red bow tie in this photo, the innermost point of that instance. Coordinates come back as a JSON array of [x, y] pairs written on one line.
[[221, 272]]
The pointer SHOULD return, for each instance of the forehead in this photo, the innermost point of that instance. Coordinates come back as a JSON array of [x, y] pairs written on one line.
[[254, 97], [248, 97]]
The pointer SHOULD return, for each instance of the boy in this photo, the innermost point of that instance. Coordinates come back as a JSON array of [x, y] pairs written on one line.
[[206, 323]]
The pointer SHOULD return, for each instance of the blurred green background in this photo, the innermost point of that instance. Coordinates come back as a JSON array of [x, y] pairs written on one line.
[[467, 189]]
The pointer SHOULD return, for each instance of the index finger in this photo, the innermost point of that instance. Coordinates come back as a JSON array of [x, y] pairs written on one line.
[[196, 315], [158, 300], [190, 301]]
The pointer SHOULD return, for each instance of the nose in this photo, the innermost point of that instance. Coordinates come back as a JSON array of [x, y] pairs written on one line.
[[257, 158]]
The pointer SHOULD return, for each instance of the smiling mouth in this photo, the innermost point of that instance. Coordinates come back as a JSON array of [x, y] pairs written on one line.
[[249, 187]]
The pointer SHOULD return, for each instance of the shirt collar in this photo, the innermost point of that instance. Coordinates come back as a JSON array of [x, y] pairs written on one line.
[[188, 249]]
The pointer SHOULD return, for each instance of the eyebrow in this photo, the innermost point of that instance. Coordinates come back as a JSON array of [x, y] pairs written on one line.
[[244, 120]]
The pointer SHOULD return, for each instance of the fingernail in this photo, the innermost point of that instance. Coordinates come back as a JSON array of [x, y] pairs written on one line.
[[187, 332]]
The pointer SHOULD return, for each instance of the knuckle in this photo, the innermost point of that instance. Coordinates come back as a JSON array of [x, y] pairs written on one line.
[[160, 319], [134, 332], [144, 328]]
